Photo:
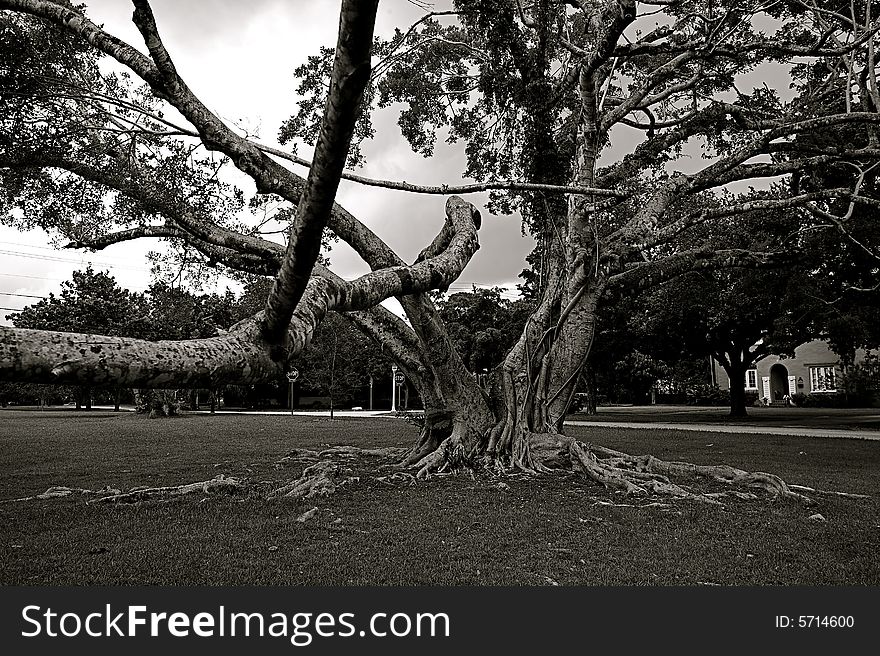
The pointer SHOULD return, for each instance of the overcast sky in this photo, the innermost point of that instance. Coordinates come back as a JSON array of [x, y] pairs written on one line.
[[239, 59]]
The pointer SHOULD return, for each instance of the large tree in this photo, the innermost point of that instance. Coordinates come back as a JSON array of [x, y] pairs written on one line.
[[540, 93]]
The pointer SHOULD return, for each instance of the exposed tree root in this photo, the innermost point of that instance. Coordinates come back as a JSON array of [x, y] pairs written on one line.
[[831, 493], [221, 484], [318, 480], [434, 427], [392, 479], [327, 471], [300, 455], [725, 474], [449, 455], [643, 475], [354, 452], [350, 452], [325, 476], [635, 476], [61, 491], [646, 474]]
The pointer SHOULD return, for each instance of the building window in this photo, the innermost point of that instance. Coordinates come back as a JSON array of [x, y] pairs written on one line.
[[822, 379], [752, 379]]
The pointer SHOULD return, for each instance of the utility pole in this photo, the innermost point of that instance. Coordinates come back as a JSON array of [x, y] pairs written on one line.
[[333, 371], [292, 376], [371, 391]]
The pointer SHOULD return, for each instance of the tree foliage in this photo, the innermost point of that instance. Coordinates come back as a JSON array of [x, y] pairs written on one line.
[[90, 302], [483, 325]]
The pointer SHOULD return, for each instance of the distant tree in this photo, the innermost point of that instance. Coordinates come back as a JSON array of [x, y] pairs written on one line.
[[32, 394], [177, 313], [630, 357], [738, 317], [846, 302], [339, 362], [90, 302], [483, 325]]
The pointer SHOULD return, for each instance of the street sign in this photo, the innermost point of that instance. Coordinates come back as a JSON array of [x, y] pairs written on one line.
[[399, 378], [293, 375]]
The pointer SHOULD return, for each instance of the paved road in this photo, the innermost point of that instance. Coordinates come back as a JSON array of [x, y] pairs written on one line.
[[751, 429], [852, 434], [369, 414]]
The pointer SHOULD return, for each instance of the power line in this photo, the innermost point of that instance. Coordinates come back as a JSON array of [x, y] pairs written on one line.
[[18, 243], [52, 258], [20, 275], [54, 249], [21, 295]]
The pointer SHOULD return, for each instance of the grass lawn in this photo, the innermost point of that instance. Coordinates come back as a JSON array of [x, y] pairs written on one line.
[[446, 531]]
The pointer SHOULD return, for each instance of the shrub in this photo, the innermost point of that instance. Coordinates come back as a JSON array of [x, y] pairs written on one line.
[[707, 395], [862, 382], [157, 402], [825, 400]]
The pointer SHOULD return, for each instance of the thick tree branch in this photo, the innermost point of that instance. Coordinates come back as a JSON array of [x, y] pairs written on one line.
[[611, 20], [645, 275], [351, 72], [233, 259], [40, 356], [50, 357]]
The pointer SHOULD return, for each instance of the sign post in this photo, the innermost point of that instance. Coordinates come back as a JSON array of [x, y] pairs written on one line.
[[393, 388], [371, 391], [398, 383], [292, 377]]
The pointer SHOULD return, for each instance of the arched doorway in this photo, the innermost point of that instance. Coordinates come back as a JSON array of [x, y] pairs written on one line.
[[778, 382]]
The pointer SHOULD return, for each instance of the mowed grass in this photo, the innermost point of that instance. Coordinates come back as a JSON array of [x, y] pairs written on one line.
[[448, 531]]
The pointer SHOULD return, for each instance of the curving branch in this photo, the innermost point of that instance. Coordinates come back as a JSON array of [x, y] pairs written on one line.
[[54, 357], [644, 275], [445, 190], [612, 19], [648, 237], [378, 323], [641, 94], [231, 258]]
